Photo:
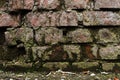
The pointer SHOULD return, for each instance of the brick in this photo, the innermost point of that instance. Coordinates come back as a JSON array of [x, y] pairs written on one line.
[[109, 52], [24, 35], [28, 4], [3, 5], [15, 5], [97, 18], [53, 36], [38, 52], [56, 53], [76, 4], [79, 36], [7, 20], [62, 18], [90, 51], [86, 65], [68, 19], [73, 51], [106, 36], [49, 36], [48, 4], [56, 65], [113, 4], [108, 66], [36, 20]]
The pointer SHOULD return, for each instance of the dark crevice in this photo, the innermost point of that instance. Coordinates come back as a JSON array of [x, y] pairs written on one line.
[[108, 9]]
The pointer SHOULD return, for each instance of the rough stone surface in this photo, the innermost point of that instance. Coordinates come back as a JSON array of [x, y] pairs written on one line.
[[86, 65], [52, 19], [76, 4], [56, 53], [90, 51], [108, 66], [107, 4], [38, 53], [15, 5], [28, 4], [56, 65], [37, 19], [97, 18], [7, 20], [24, 35], [73, 51], [68, 19], [48, 4], [53, 36], [109, 52], [49, 36], [79, 36], [105, 36]]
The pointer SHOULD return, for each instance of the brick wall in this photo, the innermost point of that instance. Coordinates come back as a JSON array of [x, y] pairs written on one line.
[[66, 34]]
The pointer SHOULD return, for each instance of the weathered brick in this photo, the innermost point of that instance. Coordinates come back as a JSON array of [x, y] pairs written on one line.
[[3, 5], [105, 35], [109, 52], [90, 51], [28, 4], [68, 19], [15, 5], [53, 36], [62, 18], [56, 53], [108, 66], [36, 20], [73, 52], [56, 65], [76, 4], [38, 52], [48, 4], [86, 65], [79, 36], [7, 20], [24, 35], [49, 36], [97, 18], [107, 4]]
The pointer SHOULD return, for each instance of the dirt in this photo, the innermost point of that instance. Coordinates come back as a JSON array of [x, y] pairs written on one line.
[[58, 75]]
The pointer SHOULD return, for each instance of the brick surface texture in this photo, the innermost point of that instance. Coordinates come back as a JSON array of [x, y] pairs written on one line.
[[61, 34]]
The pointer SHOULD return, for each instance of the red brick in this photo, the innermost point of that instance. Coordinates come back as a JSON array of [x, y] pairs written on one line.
[[52, 19], [79, 36], [101, 18], [28, 4], [76, 4], [48, 4], [7, 20], [68, 19], [20, 5], [107, 4], [15, 5], [37, 19]]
